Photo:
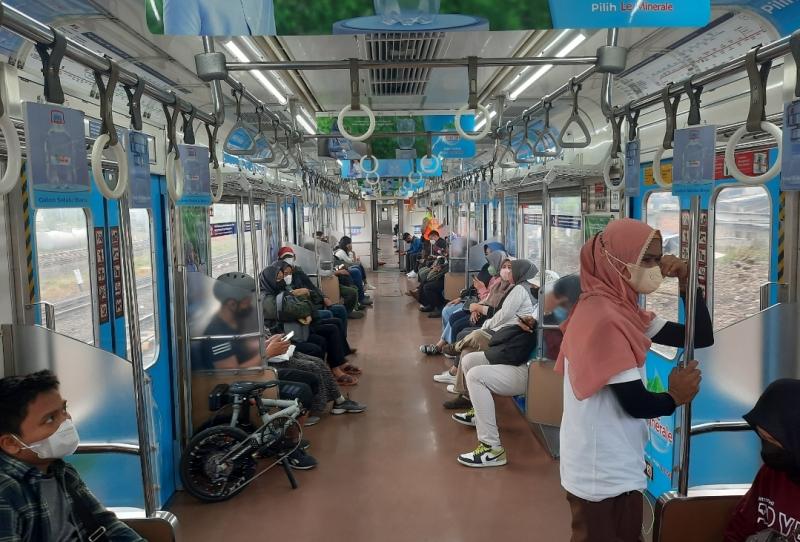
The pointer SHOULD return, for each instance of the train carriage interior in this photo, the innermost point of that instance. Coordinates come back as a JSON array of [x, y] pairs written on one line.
[[287, 261]]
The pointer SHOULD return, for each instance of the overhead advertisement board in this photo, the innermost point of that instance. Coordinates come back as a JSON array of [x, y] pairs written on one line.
[[323, 17], [403, 147]]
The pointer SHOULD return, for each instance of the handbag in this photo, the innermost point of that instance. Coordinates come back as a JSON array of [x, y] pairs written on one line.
[[301, 331], [469, 300], [511, 345]]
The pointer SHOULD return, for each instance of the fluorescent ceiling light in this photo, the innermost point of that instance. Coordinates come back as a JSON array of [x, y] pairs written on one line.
[[492, 114], [305, 124], [266, 83], [549, 46], [577, 40], [248, 41]]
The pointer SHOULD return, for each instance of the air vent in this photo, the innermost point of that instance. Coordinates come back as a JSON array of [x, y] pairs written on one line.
[[402, 46]]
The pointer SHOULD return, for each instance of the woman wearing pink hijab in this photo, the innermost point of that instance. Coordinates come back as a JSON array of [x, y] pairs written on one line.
[[606, 402]]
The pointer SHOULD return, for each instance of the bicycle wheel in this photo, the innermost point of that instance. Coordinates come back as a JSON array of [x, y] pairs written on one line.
[[204, 473]]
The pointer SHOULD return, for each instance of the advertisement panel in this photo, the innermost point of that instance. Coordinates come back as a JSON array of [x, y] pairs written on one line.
[[510, 209], [400, 147], [323, 17]]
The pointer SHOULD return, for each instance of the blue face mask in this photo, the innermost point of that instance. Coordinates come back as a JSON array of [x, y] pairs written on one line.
[[560, 314]]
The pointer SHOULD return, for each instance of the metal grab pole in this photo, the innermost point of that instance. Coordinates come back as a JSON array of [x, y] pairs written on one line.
[[254, 250], [545, 250], [688, 348], [468, 239], [139, 375]]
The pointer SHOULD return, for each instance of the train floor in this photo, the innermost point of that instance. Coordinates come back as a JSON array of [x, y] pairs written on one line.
[[391, 474]]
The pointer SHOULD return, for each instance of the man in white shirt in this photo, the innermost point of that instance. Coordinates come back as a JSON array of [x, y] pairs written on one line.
[[219, 17]]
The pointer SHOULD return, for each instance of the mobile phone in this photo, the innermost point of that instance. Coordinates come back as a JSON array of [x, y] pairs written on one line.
[[288, 336]]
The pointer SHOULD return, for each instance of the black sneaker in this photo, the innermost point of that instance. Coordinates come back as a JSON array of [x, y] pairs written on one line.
[[300, 460], [348, 407], [426, 308], [435, 314]]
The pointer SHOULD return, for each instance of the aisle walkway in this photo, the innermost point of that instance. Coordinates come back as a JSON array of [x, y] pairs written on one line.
[[390, 474]]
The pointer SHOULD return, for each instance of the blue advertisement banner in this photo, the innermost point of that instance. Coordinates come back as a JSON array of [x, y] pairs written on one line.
[[629, 13], [510, 212], [196, 176], [660, 449], [694, 159], [633, 168], [387, 169], [782, 14], [272, 238], [139, 170], [790, 157], [58, 172]]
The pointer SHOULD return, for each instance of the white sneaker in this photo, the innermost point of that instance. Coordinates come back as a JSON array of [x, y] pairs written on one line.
[[451, 388], [444, 378], [412, 275], [484, 456], [370, 287]]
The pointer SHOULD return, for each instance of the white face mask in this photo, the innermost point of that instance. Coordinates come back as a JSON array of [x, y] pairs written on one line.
[[290, 261], [287, 279], [60, 444], [645, 280]]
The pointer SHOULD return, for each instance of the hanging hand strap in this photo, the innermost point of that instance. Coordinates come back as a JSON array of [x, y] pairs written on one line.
[[52, 54], [758, 89], [172, 127], [212, 145], [106, 91], [575, 118], [188, 127], [694, 92], [135, 102], [671, 111], [632, 116]]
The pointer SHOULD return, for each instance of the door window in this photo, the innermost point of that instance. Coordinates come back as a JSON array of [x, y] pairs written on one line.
[[224, 239], [141, 233], [63, 263]]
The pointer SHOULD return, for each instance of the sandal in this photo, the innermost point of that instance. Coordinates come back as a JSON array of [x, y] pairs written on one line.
[[430, 349], [346, 380], [352, 370]]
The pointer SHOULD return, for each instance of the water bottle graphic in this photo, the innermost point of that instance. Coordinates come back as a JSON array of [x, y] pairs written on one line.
[[407, 12], [406, 126], [61, 174], [693, 159], [190, 168]]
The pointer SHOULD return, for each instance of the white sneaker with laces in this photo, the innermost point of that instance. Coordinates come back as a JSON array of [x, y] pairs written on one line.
[[451, 388], [412, 275], [444, 378], [484, 456]]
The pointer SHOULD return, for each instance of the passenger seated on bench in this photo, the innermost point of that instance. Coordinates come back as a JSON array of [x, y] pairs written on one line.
[[507, 375], [412, 254], [517, 301], [357, 277], [324, 307], [773, 501], [346, 254], [431, 295], [235, 316], [42, 498], [487, 287], [325, 340]]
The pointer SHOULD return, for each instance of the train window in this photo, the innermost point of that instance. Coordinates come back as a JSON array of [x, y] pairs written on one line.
[[532, 232], [141, 233], [224, 239], [63, 264], [247, 265], [742, 219], [662, 212], [566, 234]]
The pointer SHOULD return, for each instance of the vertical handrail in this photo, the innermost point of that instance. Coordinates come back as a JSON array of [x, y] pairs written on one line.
[[254, 250], [468, 239], [139, 374], [688, 349], [606, 90], [545, 250]]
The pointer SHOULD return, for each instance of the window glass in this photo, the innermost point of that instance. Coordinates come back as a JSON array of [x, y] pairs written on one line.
[[663, 213], [141, 233], [742, 218], [63, 264], [224, 239], [532, 232], [566, 234]]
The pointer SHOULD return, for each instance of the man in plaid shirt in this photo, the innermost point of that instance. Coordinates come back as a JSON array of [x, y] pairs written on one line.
[[42, 498]]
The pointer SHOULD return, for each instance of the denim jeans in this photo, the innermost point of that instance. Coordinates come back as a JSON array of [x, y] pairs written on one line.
[[334, 311]]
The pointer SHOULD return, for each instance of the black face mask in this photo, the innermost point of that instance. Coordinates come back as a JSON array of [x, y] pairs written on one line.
[[780, 459], [245, 312]]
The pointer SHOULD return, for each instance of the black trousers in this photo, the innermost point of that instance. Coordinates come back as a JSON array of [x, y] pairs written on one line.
[[340, 326], [312, 348], [432, 293], [297, 384]]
